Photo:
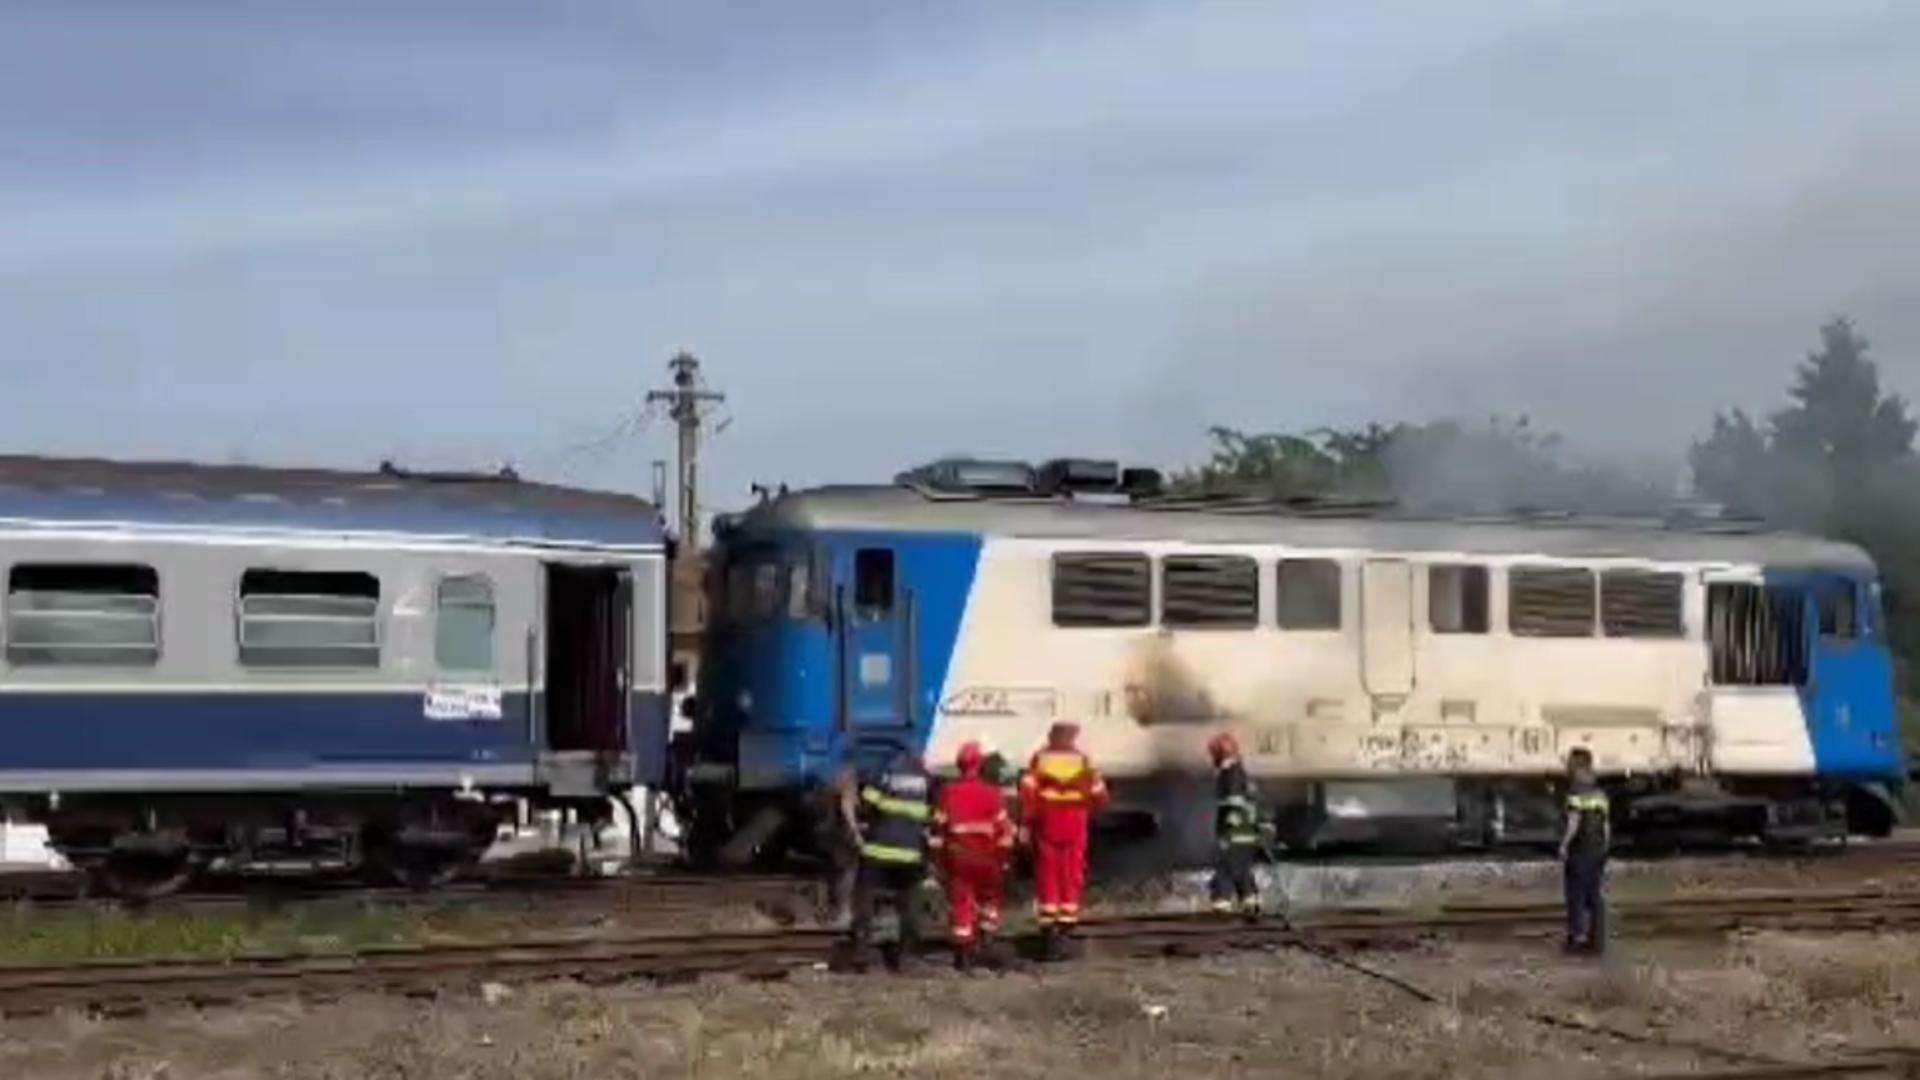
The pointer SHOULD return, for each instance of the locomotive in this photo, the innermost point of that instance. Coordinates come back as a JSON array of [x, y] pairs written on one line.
[[1388, 673]]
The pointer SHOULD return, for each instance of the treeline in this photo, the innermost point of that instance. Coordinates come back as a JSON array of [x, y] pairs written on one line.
[[1837, 458]]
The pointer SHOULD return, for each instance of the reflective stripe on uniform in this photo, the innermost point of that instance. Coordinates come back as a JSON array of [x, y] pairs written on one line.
[[887, 804], [889, 853], [1595, 803], [1061, 768], [1062, 796], [974, 828]]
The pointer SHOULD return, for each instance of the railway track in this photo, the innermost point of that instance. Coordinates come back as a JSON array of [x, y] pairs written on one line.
[[646, 891], [1901, 1063], [123, 986]]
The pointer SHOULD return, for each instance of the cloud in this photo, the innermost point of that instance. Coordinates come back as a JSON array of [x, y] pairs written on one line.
[[1091, 227]]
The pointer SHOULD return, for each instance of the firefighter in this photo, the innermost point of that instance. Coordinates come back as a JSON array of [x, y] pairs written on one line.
[[1583, 855], [972, 838], [1058, 796], [891, 828], [1236, 830]]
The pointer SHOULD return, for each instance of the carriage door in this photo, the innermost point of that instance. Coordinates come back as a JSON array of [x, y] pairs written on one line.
[[872, 624], [1386, 632], [589, 658]]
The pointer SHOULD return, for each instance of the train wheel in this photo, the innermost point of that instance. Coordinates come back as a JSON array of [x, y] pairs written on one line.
[[143, 875], [418, 866]]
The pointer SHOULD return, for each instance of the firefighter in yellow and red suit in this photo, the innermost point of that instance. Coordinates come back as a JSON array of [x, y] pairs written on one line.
[[1058, 796], [972, 841]]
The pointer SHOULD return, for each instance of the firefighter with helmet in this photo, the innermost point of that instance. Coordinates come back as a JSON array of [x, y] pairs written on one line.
[[972, 840], [892, 812], [1059, 794], [1238, 835]]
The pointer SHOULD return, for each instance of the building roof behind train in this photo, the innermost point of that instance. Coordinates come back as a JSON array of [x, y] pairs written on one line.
[[484, 508], [1372, 526]]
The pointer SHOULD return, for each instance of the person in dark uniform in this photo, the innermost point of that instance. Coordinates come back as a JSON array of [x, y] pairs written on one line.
[[1236, 831], [891, 819], [1583, 855]]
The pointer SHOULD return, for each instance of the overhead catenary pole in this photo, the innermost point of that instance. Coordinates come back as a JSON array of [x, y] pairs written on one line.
[[687, 404]]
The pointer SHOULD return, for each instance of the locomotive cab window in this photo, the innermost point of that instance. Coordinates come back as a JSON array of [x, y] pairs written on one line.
[[1839, 611], [1552, 602], [309, 619], [1309, 594], [103, 615], [1209, 591], [873, 583], [800, 594], [1457, 599], [463, 624], [1099, 589]]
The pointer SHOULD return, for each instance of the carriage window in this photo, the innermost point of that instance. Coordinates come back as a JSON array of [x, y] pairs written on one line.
[[1309, 594], [1219, 591], [873, 583], [106, 616], [1092, 590], [463, 624], [1550, 602], [1457, 599], [1756, 636], [1839, 617], [309, 619], [1640, 604]]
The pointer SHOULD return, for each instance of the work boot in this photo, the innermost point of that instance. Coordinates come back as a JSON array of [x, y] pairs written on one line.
[[963, 958], [991, 954]]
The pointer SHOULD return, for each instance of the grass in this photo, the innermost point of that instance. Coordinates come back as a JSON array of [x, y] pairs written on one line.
[[33, 935]]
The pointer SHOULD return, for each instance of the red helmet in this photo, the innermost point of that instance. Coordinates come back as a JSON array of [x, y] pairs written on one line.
[[970, 758], [1222, 747], [1061, 735]]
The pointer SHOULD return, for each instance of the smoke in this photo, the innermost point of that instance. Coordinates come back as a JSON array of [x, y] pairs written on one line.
[[1506, 466]]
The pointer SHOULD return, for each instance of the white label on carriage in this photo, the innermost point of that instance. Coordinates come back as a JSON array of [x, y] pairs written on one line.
[[463, 703]]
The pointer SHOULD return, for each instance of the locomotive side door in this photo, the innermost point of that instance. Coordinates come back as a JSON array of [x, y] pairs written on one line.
[[872, 627], [1386, 632]]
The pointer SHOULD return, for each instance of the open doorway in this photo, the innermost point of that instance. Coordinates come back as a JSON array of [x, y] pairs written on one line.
[[589, 620]]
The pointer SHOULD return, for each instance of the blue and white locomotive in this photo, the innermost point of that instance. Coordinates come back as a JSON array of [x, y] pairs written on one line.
[[1382, 671], [203, 664]]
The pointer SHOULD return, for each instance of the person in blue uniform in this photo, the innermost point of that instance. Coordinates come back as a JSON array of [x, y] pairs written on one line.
[[1583, 855]]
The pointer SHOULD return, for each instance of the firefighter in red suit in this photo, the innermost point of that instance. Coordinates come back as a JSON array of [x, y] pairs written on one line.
[[1058, 796], [972, 840]]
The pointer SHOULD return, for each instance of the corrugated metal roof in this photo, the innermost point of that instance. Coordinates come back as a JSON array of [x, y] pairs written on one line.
[[892, 508], [477, 507]]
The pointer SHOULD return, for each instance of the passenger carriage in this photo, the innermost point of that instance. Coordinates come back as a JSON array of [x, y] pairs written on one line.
[[203, 664], [1383, 672]]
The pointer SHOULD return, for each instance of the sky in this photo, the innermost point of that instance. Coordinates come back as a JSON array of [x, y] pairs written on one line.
[[458, 232]]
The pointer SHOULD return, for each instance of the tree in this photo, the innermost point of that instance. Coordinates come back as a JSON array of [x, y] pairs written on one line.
[[1839, 460], [1730, 464], [1829, 459]]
